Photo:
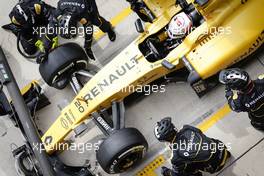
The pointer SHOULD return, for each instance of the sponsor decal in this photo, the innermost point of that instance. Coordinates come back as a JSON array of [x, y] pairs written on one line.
[[48, 140], [253, 102], [252, 48], [104, 84], [103, 123], [76, 4], [64, 123], [67, 120]]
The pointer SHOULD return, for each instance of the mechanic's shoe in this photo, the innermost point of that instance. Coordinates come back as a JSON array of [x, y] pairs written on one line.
[[197, 174], [165, 171], [229, 154], [11, 27], [111, 35], [257, 126], [89, 53]]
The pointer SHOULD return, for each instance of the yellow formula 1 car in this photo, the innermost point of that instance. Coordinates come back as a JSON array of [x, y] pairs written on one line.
[[204, 36]]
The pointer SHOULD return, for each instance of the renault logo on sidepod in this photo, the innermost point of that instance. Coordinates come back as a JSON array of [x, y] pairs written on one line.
[[48, 140]]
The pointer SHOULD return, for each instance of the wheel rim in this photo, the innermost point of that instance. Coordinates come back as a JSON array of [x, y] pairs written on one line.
[[129, 158], [66, 72]]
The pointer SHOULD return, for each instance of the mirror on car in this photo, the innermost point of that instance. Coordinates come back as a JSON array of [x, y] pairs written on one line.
[[139, 26]]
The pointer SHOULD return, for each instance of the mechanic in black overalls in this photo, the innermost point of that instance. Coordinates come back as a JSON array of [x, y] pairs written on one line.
[[244, 94], [192, 151], [26, 16], [140, 8], [70, 12]]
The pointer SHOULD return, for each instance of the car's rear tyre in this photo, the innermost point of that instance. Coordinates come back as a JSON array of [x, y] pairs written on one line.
[[61, 63], [122, 150]]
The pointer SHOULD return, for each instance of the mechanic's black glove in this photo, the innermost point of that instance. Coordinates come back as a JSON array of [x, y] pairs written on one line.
[[166, 171], [89, 53], [228, 93], [11, 27], [88, 47], [42, 57]]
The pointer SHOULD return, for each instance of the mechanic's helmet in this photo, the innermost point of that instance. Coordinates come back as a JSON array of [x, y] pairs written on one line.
[[236, 79], [165, 130], [179, 26], [68, 26], [22, 16]]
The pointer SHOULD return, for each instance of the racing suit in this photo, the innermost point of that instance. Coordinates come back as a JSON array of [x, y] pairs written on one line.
[[85, 12], [193, 152], [252, 102], [41, 13]]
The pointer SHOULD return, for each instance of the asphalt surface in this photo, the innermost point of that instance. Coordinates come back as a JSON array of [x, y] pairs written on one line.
[[178, 101]]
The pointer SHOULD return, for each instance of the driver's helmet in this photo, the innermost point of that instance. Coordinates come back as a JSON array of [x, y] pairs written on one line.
[[22, 16], [235, 79], [165, 130], [179, 26], [67, 26]]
